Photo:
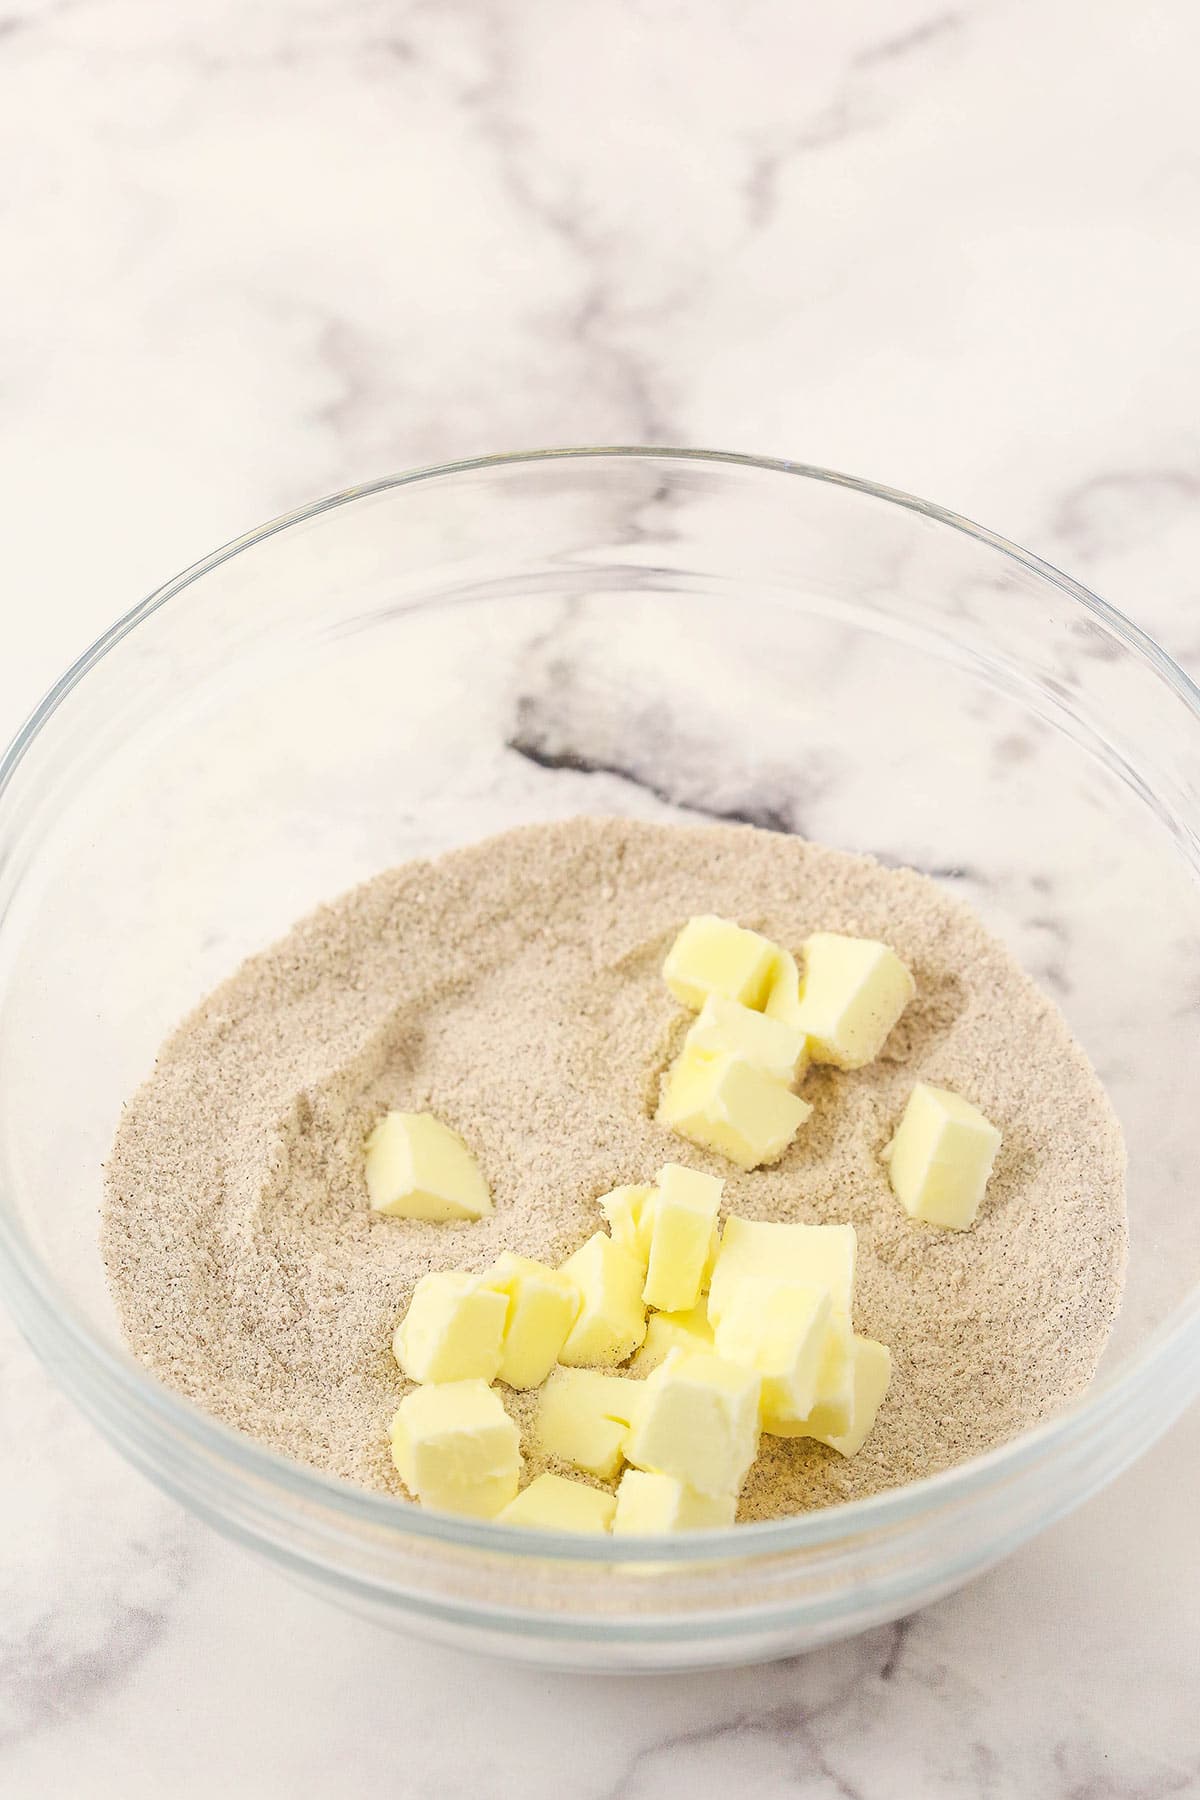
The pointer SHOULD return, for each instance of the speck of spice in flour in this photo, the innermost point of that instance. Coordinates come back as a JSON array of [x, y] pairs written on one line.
[[514, 989]]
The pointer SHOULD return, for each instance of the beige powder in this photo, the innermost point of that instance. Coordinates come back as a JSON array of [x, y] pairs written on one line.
[[514, 990]]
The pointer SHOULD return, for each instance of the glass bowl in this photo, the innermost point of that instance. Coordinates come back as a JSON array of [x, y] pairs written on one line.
[[424, 660]]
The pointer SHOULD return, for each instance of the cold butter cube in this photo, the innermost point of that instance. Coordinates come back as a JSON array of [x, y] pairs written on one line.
[[648, 1504], [542, 1304], [715, 956], [772, 1045], [853, 992], [940, 1160], [611, 1321], [697, 1420], [833, 1402], [846, 1408], [783, 993], [667, 1331], [820, 1256], [455, 1447], [626, 1210], [553, 1503], [683, 1226], [583, 1418], [779, 1328], [417, 1168], [721, 1103], [453, 1329], [871, 1374]]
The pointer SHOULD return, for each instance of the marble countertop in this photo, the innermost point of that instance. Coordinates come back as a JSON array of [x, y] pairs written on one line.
[[258, 250]]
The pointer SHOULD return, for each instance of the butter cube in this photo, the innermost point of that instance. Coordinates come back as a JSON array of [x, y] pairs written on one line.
[[667, 1331], [453, 1329], [715, 956], [779, 1328], [418, 1168], [853, 992], [627, 1211], [455, 1447], [552, 1503], [772, 1045], [583, 1418], [611, 1321], [783, 993], [833, 1403], [723, 1104], [683, 1225], [648, 1504], [941, 1158], [820, 1256], [858, 1374], [871, 1374], [698, 1421], [542, 1304]]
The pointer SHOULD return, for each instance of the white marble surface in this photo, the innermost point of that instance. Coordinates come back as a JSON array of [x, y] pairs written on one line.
[[258, 250]]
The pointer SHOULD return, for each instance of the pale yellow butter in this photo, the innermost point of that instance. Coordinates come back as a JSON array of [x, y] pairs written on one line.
[[683, 1225], [554, 1503], [611, 1321], [698, 1421], [647, 1504], [722, 1103], [583, 1418], [542, 1304], [871, 1377], [772, 1045], [941, 1158], [779, 1328], [455, 1447], [852, 994], [783, 993], [453, 1329], [833, 1404], [418, 1168], [667, 1331], [820, 1256], [627, 1211], [715, 956], [854, 1384]]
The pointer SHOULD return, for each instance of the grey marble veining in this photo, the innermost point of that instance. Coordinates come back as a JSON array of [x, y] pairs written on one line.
[[260, 251]]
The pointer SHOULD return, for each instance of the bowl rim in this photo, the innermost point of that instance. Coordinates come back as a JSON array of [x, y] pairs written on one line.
[[49, 1315]]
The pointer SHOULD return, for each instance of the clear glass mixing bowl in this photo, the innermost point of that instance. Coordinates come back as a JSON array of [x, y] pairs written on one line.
[[419, 662]]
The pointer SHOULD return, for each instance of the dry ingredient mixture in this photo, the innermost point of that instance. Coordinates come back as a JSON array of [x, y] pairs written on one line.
[[514, 989]]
